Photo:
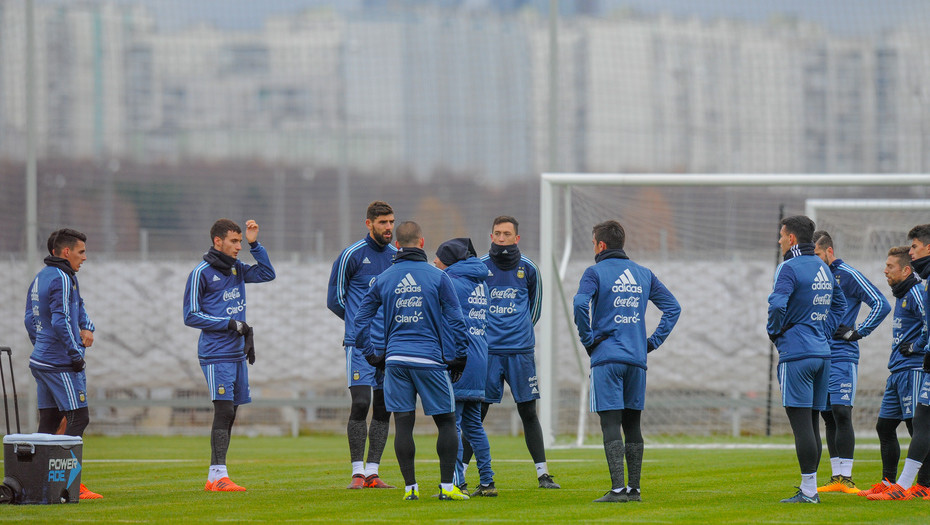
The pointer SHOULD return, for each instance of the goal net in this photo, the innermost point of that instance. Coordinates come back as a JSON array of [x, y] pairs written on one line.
[[712, 240]]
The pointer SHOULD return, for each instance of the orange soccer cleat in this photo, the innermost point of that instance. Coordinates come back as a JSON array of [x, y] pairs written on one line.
[[894, 493], [87, 494], [223, 485]]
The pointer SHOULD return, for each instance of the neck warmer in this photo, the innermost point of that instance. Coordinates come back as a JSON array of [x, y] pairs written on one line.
[[804, 248], [610, 254], [900, 290], [219, 260], [922, 266], [61, 264], [410, 254], [505, 257]]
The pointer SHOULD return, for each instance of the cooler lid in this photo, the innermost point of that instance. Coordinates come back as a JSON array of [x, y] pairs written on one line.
[[42, 439]]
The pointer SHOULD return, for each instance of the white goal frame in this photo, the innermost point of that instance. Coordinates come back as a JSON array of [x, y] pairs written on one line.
[[551, 184]]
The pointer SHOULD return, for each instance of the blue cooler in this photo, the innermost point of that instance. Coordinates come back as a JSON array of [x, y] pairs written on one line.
[[42, 468]]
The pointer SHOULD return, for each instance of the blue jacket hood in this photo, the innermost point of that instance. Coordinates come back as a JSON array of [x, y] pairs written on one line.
[[471, 268]]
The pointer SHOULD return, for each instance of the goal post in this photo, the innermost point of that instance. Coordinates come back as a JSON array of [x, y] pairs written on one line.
[[556, 240]]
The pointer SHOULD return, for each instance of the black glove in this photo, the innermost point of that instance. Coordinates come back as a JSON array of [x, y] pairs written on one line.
[[249, 348], [774, 337], [927, 362], [238, 326], [649, 347], [847, 333], [906, 349], [375, 360], [456, 367], [597, 340], [78, 365]]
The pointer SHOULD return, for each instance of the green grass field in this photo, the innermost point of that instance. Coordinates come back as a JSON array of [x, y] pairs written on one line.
[[158, 479]]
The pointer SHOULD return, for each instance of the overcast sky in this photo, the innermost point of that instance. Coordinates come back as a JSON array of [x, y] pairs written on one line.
[[845, 17]]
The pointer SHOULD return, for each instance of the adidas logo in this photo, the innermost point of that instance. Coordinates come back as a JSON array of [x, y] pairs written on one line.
[[626, 283], [407, 285], [216, 278], [923, 395], [821, 281], [478, 296], [366, 261], [845, 397]]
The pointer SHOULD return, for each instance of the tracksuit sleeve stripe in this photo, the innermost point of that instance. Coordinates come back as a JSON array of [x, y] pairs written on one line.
[[195, 295], [66, 306], [876, 303], [536, 310], [341, 273]]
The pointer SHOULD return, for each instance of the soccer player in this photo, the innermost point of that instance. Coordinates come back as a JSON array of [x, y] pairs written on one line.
[[61, 332], [514, 303], [352, 275], [805, 307], [844, 362], [908, 338], [610, 314], [417, 299], [214, 302], [917, 451], [459, 260]]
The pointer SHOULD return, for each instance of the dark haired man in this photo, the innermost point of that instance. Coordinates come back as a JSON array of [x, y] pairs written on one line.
[[214, 302], [844, 362], [61, 332], [908, 339], [918, 450], [514, 304], [610, 314], [352, 275], [417, 300], [805, 307]]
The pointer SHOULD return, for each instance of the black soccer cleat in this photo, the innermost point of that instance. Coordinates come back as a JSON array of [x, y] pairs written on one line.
[[488, 491], [614, 497], [545, 482]]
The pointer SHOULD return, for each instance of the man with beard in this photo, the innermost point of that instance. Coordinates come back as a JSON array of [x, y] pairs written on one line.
[[917, 451], [352, 275], [908, 338], [514, 304]]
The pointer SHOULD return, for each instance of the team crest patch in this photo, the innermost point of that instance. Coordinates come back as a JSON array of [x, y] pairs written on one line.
[[82, 397], [904, 303], [221, 390], [234, 270], [356, 376], [520, 273]]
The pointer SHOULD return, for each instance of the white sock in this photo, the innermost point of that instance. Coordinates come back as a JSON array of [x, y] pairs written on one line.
[[358, 467], [835, 466], [618, 491], [446, 486], [809, 484], [371, 468], [541, 469], [464, 469], [908, 473], [415, 487], [217, 472], [846, 466]]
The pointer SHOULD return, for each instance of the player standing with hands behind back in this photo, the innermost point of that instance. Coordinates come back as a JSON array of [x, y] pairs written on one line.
[[214, 302], [805, 308], [610, 314]]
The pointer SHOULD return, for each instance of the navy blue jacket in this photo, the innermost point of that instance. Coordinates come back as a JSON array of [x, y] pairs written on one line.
[[908, 326], [469, 277], [805, 307], [418, 299], [352, 275], [212, 298], [54, 318], [612, 299], [514, 306], [857, 290]]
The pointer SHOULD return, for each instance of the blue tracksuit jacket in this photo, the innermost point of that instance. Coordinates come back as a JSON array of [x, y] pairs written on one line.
[[908, 327], [514, 305], [54, 318], [418, 299], [352, 274], [805, 307], [468, 276], [211, 299], [857, 290], [611, 299]]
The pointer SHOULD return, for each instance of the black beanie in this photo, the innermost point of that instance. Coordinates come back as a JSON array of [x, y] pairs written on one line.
[[455, 250]]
